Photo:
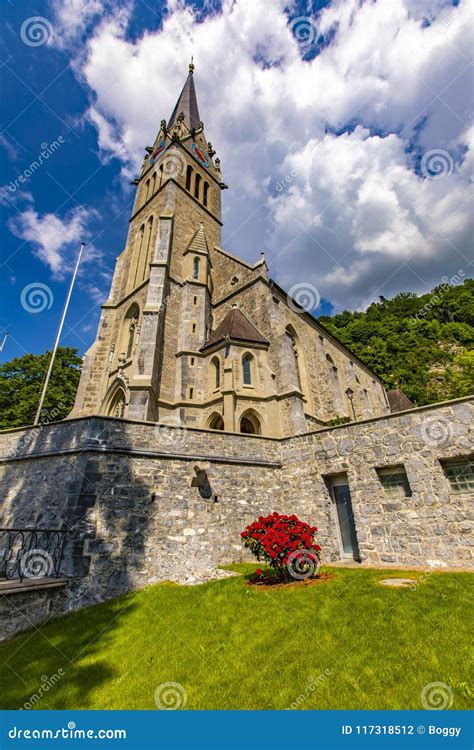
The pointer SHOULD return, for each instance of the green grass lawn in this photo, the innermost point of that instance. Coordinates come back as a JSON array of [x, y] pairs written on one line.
[[348, 643]]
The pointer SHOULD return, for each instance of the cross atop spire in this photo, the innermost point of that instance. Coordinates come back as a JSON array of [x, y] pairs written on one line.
[[187, 103]]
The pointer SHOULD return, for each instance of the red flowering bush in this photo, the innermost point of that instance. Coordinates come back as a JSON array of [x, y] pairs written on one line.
[[285, 543]]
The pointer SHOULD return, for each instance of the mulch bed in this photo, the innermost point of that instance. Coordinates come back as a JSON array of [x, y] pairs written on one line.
[[277, 583]]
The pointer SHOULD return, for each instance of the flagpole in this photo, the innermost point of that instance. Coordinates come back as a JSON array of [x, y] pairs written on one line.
[[5, 336], [58, 335]]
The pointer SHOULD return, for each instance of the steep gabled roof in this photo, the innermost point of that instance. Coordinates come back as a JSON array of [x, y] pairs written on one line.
[[235, 326], [187, 103], [198, 243]]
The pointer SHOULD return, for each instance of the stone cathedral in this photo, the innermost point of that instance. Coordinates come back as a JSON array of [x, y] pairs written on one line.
[[193, 335], [263, 410]]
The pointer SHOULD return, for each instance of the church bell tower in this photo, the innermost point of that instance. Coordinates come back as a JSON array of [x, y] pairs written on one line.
[[144, 363]]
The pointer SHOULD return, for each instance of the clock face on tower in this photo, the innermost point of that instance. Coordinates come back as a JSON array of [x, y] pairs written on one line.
[[158, 150], [200, 156]]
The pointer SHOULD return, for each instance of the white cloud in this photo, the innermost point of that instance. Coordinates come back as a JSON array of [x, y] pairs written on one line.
[[11, 150], [72, 18], [53, 238], [355, 215]]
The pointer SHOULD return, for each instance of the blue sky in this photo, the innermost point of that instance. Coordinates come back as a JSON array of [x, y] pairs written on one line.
[[334, 109]]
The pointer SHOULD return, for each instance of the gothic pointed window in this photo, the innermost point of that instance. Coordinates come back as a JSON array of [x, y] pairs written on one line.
[[161, 175], [138, 254], [295, 365], [153, 184], [196, 264], [250, 423], [247, 369], [216, 368], [147, 190], [117, 405], [189, 174], [205, 194], [197, 186], [129, 330], [145, 260], [216, 422], [336, 383], [131, 337]]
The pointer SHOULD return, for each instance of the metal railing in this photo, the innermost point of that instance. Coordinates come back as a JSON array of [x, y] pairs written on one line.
[[31, 553]]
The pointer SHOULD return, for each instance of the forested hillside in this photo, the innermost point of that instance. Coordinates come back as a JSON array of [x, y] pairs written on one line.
[[423, 345]]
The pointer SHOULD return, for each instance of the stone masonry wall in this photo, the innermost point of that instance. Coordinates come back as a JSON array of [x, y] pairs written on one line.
[[127, 492], [433, 524]]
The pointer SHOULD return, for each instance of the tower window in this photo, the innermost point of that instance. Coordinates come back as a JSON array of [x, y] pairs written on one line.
[[191, 393], [161, 175], [192, 361], [193, 328], [197, 186], [195, 299], [205, 193], [247, 369], [189, 174], [196, 264]]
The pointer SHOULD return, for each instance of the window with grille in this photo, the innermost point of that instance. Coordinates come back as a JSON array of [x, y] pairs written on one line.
[[460, 474], [394, 481]]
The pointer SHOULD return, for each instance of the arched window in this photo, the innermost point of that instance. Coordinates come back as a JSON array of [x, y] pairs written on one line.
[[147, 190], [189, 174], [117, 405], [129, 329], [250, 423], [295, 365], [197, 186], [205, 193], [145, 259], [153, 184], [215, 422], [216, 370], [333, 368], [161, 175], [337, 385], [137, 255], [365, 401], [196, 264], [247, 369]]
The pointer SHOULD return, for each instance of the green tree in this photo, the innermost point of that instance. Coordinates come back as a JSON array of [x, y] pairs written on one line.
[[20, 387], [422, 345]]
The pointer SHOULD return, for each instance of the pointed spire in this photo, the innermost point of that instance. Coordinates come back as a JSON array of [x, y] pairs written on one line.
[[198, 243], [187, 103]]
